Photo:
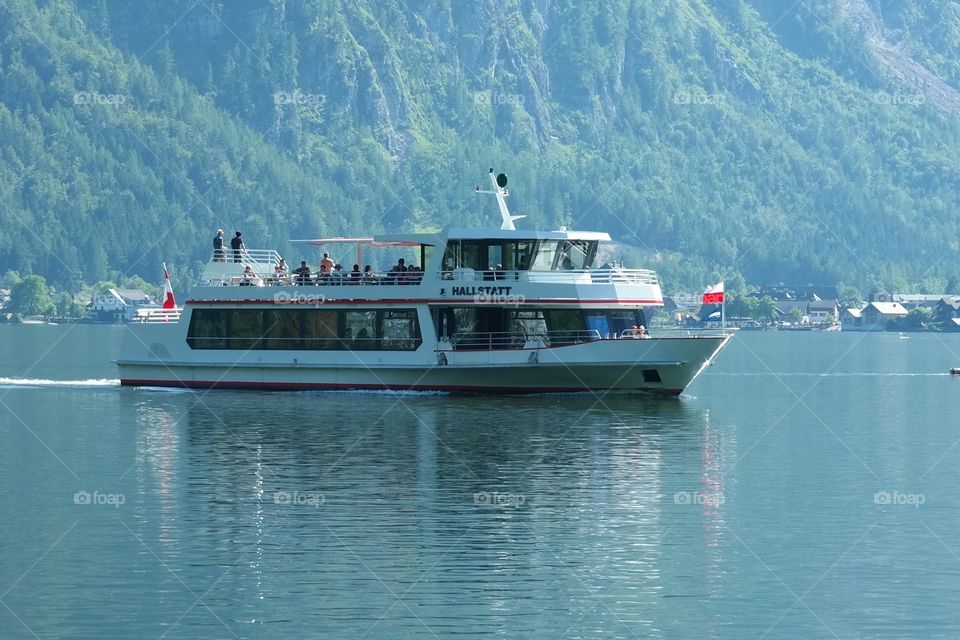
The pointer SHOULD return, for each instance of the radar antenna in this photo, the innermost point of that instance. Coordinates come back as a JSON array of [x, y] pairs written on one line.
[[499, 183]]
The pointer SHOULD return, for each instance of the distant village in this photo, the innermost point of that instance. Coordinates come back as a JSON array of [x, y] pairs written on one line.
[[30, 300], [780, 307], [772, 307]]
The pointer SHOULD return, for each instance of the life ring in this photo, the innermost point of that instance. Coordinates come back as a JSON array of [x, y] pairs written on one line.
[[882, 297]]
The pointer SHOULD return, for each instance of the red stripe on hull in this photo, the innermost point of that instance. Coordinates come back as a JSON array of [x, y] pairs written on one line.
[[314, 386]]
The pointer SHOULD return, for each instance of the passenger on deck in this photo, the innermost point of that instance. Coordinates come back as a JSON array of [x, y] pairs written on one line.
[[413, 275], [237, 245], [356, 275], [368, 276], [397, 271], [336, 276], [280, 271], [302, 273], [638, 332], [248, 277], [219, 255], [326, 264]]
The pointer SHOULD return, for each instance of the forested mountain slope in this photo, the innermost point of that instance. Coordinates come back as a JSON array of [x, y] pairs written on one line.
[[718, 137]]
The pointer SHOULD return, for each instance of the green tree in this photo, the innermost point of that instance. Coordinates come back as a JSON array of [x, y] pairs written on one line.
[[953, 286], [30, 297], [850, 297], [68, 307], [918, 318], [767, 309], [10, 279]]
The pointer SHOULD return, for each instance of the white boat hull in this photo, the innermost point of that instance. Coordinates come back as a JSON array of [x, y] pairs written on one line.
[[661, 366]]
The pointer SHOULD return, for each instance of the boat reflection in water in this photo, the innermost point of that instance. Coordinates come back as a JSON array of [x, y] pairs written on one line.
[[521, 514]]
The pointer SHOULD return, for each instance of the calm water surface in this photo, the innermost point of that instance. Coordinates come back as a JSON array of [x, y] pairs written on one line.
[[806, 486]]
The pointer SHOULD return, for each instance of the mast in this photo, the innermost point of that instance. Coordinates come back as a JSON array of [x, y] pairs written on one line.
[[500, 190]]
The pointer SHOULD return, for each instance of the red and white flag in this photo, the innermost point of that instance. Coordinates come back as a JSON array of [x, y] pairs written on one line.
[[168, 300], [714, 294]]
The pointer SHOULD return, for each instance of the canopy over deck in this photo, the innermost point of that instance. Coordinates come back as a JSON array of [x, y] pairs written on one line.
[[361, 242]]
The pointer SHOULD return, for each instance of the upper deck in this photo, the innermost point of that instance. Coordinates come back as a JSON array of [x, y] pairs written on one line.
[[539, 269], [480, 266]]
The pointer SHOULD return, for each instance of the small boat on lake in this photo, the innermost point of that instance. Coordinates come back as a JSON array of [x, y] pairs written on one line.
[[488, 310]]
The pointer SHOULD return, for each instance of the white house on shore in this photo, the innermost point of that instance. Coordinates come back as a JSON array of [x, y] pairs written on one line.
[[120, 305], [873, 317]]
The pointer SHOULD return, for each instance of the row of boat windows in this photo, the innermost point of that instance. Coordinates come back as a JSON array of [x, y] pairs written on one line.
[[571, 325], [304, 329]]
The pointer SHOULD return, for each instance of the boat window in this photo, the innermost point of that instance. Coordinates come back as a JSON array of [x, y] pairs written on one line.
[[576, 254], [451, 255], [474, 255], [464, 320], [597, 321], [359, 329], [245, 328], [622, 319], [528, 322], [281, 329], [566, 326], [543, 259], [208, 329], [564, 320], [320, 330], [399, 329]]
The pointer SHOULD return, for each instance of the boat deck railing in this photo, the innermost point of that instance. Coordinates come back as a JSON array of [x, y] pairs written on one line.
[[229, 269], [157, 316], [607, 275], [489, 340], [492, 340]]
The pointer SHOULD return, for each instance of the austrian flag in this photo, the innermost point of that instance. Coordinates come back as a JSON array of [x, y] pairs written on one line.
[[714, 294], [168, 300]]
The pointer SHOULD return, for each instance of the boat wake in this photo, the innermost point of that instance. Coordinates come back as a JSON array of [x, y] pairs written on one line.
[[860, 374], [45, 382]]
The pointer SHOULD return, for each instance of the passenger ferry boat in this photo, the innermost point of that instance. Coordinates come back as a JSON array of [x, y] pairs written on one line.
[[500, 311]]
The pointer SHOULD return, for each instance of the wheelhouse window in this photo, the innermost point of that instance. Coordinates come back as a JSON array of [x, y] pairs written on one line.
[[482, 255], [301, 329]]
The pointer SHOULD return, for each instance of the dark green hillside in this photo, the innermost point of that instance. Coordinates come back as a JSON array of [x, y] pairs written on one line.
[[815, 144]]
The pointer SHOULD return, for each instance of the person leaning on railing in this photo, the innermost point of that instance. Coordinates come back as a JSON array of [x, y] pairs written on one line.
[[302, 274]]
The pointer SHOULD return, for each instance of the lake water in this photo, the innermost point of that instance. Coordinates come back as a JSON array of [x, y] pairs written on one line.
[[806, 486]]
